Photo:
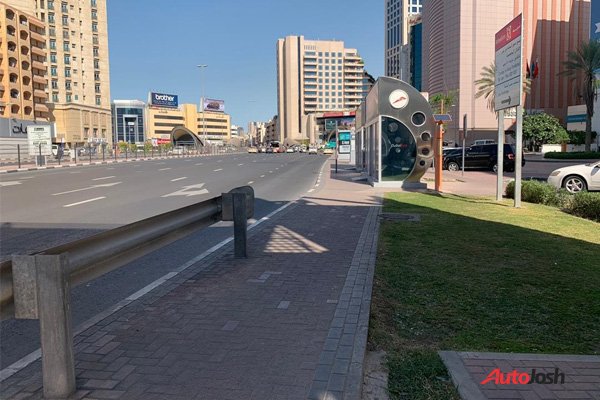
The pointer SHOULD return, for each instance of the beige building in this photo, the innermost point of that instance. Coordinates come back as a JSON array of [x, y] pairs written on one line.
[[314, 76], [458, 41], [23, 79], [76, 52], [161, 121]]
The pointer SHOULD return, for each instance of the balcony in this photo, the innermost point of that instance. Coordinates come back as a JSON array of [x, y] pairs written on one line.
[[40, 65], [38, 51], [41, 108], [38, 37], [39, 93], [40, 79]]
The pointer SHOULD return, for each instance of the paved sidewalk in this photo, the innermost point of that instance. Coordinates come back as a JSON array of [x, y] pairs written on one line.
[[574, 377], [289, 322]]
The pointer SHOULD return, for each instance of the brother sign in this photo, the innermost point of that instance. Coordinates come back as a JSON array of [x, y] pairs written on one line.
[[163, 100]]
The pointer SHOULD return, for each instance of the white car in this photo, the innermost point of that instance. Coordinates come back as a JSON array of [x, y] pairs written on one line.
[[577, 178], [312, 150]]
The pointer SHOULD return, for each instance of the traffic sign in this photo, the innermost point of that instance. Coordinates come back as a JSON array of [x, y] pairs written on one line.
[[39, 138], [509, 66]]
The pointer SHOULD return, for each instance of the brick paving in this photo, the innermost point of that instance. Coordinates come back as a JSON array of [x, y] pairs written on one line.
[[289, 322], [469, 369]]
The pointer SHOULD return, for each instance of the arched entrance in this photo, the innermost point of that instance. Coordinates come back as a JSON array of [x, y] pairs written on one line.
[[181, 136]]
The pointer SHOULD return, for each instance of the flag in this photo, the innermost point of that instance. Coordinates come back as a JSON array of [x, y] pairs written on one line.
[[536, 70], [528, 70]]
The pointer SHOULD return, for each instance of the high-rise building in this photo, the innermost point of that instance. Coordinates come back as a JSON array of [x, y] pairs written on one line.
[[595, 28], [314, 76], [397, 54], [78, 68], [23, 79], [458, 41]]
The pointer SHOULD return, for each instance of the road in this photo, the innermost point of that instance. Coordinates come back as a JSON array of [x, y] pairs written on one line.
[[41, 209]]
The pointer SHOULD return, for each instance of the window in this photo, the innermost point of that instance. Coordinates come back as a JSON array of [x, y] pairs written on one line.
[[98, 100], [51, 18], [63, 7], [65, 20], [96, 52], [53, 57], [54, 84], [50, 4], [52, 44], [97, 64], [68, 72], [67, 59], [52, 32], [66, 46], [94, 14], [68, 98], [53, 71], [65, 34], [55, 97], [95, 40], [94, 3], [68, 85], [94, 27], [97, 88]]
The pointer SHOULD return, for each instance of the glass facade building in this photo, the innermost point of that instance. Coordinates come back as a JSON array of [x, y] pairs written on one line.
[[416, 56], [129, 121]]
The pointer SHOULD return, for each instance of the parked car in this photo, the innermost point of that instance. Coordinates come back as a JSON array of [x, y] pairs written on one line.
[[252, 150], [312, 150], [269, 150], [327, 151], [577, 178], [481, 156], [290, 150]]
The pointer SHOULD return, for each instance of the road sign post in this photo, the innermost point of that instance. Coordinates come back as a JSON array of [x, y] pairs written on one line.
[[508, 93]]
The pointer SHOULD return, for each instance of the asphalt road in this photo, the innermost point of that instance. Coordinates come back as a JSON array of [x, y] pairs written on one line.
[[41, 209]]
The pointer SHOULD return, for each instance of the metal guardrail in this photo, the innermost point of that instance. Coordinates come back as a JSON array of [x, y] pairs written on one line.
[[37, 286]]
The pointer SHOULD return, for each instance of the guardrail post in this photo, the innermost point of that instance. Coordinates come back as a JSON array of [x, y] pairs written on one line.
[[240, 225], [19, 155], [56, 332]]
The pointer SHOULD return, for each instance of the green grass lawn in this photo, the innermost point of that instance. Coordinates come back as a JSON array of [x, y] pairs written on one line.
[[477, 275]]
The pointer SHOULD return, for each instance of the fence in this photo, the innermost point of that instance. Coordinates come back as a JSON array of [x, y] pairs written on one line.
[[37, 286], [18, 155]]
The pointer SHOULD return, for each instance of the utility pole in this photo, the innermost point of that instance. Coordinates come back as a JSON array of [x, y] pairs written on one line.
[[202, 66]]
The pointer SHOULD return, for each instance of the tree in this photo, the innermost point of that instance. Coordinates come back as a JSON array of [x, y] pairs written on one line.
[[441, 102], [585, 61], [486, 85], [543, 128]]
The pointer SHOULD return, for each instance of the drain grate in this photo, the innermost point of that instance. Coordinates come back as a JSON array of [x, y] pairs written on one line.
[[400, 217]]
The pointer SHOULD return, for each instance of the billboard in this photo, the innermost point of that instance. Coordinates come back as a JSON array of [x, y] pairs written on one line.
[[163, 100], [595, 29], [214, 105], [39, 139], [17, 128]]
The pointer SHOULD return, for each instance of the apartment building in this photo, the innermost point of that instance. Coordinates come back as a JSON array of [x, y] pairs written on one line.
[[398, 15], [458, 41], [77, 63], [314, 76]]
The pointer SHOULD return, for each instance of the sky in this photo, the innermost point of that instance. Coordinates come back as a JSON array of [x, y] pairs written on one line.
[[155, 45]]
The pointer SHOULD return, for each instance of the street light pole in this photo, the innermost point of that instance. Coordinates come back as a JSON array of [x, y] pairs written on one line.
[[202, 66]]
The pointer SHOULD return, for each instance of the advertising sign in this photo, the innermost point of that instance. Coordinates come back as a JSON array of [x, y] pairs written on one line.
[[164, 100], [214, 105], [344, 141], [39, 135], [509, 65]]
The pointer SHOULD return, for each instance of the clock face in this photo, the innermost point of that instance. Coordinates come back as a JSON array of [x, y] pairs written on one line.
[[398, 99]]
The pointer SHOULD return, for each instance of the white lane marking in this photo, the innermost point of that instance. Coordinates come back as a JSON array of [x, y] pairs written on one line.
[[217, 170], [199, 163], [35, 355], [220, 161], [75, 172], [85, 201], [103, 178], [179, 179], [239, 165], [26, 177], [110, 168], [164, 169], [250, 183], [276, 168], [311, 190], [88, 188], [161, 163], [270, 172], [262, 176], [188, 191], [9, 183]]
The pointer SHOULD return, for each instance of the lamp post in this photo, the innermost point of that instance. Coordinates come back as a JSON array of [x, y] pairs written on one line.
[[202, 66]]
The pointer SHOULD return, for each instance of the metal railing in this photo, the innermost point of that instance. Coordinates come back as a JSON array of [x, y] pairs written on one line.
[[37, 286]]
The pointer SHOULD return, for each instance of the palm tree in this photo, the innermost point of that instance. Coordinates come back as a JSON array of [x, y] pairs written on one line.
[[486, 85], [585, 61]]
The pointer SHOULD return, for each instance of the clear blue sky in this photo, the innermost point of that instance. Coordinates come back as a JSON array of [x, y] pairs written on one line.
[[155, 45]]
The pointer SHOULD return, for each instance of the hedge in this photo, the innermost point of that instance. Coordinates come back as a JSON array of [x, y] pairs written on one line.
[[576, 155], [584, 204]]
